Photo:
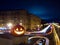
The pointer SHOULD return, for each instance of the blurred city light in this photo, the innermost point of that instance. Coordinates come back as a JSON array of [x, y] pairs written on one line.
[[56, 25], [21, 24], [9, 25], [38, 25], [42, 31]]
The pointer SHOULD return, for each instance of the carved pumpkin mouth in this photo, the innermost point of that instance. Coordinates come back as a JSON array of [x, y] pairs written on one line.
[[18, 32]]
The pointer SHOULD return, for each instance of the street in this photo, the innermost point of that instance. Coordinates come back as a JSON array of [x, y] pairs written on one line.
[[51, 39]]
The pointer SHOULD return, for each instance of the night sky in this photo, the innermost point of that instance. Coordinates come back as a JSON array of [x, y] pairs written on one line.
[[48, 10]]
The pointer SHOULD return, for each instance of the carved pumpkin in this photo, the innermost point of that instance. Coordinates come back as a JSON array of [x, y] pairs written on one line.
[[17, 30]]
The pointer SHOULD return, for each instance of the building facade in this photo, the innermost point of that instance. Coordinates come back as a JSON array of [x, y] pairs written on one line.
[[19, 16]]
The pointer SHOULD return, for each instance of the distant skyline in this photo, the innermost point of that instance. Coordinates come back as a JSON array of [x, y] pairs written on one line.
[[45, 9]]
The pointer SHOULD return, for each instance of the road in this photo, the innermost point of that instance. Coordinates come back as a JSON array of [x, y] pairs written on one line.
[[39, 37], [16, 40]]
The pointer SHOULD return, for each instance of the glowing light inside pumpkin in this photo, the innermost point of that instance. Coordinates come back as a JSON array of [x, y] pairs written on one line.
[[21, 29], [17, 29], [18, 32]]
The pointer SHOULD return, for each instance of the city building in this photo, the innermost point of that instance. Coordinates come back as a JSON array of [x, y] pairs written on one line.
[[23, 17]]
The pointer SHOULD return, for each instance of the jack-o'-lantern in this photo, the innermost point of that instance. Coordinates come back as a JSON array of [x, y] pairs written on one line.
[[17, 30]]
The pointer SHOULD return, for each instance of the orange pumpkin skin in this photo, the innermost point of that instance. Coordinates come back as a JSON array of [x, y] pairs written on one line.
[[17, 30]]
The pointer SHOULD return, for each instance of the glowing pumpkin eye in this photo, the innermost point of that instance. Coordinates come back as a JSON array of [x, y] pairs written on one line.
[[17, 29], [21, 29]]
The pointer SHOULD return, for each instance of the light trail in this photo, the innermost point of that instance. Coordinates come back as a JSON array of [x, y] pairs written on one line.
[[56, 36], [56, 25], [44, 30]]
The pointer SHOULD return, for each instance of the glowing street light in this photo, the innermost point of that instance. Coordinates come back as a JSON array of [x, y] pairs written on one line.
[[38, 25], [9, 25], [21, 24]]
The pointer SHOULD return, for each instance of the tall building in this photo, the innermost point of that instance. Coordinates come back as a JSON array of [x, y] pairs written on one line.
[[19, 16]]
